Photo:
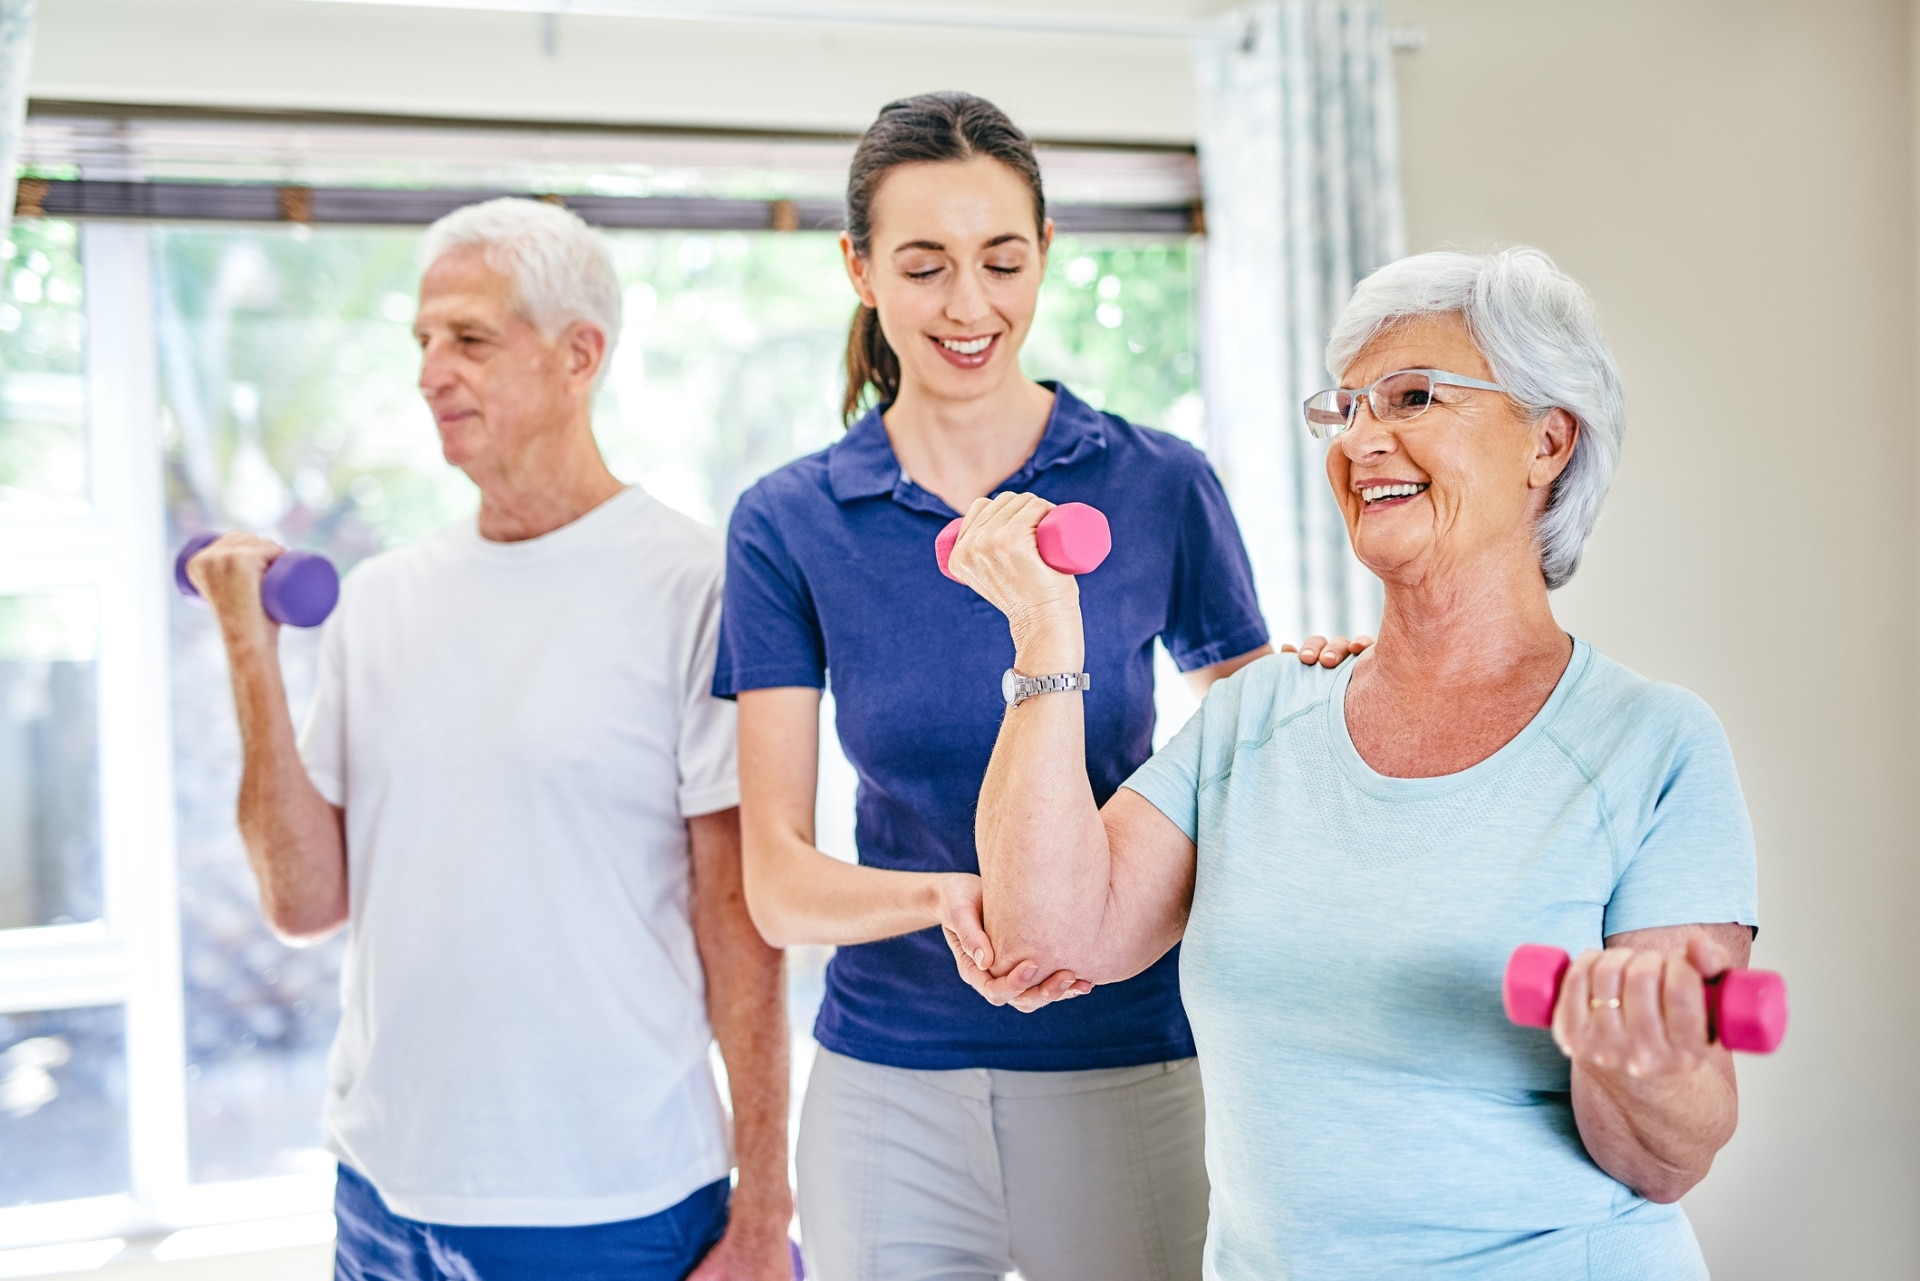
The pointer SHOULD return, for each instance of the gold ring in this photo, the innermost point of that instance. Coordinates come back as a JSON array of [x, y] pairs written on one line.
[[1595, 1003]]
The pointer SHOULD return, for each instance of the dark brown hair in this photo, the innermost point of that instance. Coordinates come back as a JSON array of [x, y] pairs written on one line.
[[931, 127]]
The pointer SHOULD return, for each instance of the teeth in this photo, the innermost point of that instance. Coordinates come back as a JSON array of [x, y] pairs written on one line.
[[1374, 493], [972, 348]]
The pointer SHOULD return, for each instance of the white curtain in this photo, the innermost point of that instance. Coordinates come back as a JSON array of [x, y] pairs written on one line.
[[16, 45], [1300, 167]]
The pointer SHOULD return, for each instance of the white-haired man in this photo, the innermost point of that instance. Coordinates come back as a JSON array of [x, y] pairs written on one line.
[[516, 792]]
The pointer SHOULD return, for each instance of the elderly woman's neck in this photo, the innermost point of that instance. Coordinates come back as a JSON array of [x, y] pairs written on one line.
[[1468, 630]]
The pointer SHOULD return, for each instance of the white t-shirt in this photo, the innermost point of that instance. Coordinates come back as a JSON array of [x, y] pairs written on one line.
[[518, 733]]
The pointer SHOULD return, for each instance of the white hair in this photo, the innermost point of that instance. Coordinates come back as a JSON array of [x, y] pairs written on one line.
[[1537, 329], [562, 270]]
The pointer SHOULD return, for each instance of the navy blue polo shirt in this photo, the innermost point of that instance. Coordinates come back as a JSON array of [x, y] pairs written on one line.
[[831, 578]]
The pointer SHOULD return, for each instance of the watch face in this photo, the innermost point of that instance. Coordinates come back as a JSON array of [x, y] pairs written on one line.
[[1010, 687]]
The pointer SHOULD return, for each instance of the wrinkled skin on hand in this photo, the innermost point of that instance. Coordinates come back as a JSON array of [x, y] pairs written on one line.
[[1018, 983]]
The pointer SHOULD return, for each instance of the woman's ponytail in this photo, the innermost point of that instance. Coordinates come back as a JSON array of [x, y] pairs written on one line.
[[870, 363], [933, 127]]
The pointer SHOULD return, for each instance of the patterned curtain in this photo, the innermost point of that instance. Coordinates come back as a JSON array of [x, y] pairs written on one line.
[[1300, 166]]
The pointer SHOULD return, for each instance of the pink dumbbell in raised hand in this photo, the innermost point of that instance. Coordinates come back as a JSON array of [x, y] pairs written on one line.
[[1073, 538], [1746, 1009]]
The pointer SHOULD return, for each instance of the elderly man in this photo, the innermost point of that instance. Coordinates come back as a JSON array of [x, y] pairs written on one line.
[[516, 793]]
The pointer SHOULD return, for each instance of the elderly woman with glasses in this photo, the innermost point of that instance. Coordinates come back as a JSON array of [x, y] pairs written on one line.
[[1350, 855]]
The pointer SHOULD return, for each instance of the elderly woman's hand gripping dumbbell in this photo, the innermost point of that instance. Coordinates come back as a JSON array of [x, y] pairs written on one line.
[[1643, 1012]]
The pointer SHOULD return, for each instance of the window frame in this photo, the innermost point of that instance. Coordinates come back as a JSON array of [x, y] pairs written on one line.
[[131, 956]]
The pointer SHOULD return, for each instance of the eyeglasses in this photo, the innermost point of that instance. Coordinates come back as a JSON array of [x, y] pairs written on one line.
[[1396, 398]]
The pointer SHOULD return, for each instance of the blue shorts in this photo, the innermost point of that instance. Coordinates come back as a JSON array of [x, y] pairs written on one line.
[[375, 1244]]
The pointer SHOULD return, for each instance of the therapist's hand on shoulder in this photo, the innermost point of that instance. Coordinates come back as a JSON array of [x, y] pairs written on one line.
[[1328, 653], [1021, 984]]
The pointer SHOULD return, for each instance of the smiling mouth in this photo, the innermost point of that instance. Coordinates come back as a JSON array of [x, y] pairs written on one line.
[[971, 347], [1371, 494]]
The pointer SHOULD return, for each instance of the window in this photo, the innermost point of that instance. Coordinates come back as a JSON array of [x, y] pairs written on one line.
[[49, 759], [63, 1105], [43, 455], [162, 1056]]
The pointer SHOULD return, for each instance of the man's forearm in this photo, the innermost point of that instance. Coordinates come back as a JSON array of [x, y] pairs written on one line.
[[293, 837], [747, 1003], [747, 1007]]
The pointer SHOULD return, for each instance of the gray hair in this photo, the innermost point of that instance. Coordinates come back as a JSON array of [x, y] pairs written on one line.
[[562, 270], [1537, 329]]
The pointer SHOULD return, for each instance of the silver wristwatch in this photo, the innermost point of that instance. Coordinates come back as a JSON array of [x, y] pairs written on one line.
[[1017, 689]]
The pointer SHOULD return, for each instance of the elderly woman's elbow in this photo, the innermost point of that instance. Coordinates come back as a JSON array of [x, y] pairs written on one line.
[[1046, 944], [1671, 1183]]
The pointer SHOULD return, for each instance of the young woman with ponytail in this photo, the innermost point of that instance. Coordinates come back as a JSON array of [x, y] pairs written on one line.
[[943, 1135]]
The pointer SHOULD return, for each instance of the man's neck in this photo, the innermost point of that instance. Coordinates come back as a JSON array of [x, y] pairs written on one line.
[[544, 488], [959, 450]]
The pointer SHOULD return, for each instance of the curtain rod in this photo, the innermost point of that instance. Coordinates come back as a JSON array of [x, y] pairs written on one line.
[[814, 12], [266, 202]]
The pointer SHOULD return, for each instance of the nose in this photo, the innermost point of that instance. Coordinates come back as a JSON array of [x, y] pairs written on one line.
[[436, 369], [967, 301], [1368, 439]]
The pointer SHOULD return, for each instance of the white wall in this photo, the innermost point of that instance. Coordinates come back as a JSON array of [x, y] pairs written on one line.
[[1734, 180], [439, 62]]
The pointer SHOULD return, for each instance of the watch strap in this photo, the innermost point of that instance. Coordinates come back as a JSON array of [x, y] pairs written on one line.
[[1026, 687]]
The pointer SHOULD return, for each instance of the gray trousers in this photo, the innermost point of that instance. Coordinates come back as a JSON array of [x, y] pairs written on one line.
[[966, 1175]]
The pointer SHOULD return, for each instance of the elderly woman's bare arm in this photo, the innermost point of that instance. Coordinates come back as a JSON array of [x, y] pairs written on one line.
[[1066, 887], [1101, 894], [1654, 1101]]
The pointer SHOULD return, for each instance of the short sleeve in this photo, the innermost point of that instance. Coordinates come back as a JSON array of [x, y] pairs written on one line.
[[1213, 614], [769, 633], [707, 750], [1694, 860], [323, 735], [1170, 780]]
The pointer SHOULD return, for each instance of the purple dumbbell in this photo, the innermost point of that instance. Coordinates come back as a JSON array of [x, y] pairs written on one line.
[[300, 588]]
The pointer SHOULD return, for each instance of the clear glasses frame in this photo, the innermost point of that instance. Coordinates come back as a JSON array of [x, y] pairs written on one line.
[[1408, 393]]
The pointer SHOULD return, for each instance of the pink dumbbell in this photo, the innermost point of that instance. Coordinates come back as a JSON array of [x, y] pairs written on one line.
[[1746, 1009], [1073, 538]]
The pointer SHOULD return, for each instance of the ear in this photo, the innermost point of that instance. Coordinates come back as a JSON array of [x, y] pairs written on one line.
[[586, 350], [857, 271], [1553, 440], [1046, 237]]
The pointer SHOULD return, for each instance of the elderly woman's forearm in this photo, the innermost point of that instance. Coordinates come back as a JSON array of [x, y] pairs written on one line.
[[1044, 861], [1660, 1137]]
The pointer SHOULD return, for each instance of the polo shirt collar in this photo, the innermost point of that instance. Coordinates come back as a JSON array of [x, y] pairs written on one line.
[[861, 464]]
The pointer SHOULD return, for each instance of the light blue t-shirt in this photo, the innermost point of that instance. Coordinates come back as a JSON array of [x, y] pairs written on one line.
[[1370, 1111]]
